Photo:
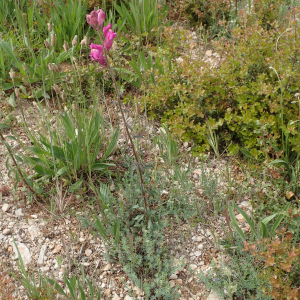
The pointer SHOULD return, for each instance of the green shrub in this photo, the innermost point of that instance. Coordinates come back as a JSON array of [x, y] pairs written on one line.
[[247, 99]]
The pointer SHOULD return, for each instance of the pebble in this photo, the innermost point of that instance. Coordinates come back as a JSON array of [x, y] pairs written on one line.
[[208, 53], [240, 218], [193, 267], [42, 255], [5, 207], [56, 249], [107, 267], [6, 231], [116, 297], [33, 231], [173, 276], [127, 297], [200, 246], [24, 252], [88, 252], [185, 144], [107, 293], [197, 253], [214, 296], [18, 212]]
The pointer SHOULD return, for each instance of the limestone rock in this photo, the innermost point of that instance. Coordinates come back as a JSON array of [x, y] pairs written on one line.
[[5, 207], [41, 256], [24, 252]]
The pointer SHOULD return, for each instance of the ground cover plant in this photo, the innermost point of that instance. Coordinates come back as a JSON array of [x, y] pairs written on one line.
[[221, 78]]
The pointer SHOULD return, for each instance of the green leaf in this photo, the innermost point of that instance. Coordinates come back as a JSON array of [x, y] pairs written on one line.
[[100, 228], [112, 144], [235, 223], [43, 171], [249, 221], [11, 100], [3, 126], [57, 287], [75, 187], [101, 166]]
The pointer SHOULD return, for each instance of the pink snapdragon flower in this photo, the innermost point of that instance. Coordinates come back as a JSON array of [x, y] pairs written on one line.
[[109, 39], [96, 18], [97, 54]]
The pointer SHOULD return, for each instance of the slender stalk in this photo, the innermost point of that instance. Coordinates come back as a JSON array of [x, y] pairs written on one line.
[[18, 168], [119, 97]]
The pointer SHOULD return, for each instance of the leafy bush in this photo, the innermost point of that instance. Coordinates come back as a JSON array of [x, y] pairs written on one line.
[[280, 257], [244, 100]]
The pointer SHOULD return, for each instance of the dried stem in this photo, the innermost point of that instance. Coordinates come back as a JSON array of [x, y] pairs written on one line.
[[123, 118]]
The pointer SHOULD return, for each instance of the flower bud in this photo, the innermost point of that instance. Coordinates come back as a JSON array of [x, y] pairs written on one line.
[[56, 89], [12, 74], [74, 42], [17, 92], [66, 46], [50, 26], [85, 41], [53, 37], [47, 45]]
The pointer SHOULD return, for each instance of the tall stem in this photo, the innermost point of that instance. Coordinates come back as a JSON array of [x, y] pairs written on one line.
[[123, 118]]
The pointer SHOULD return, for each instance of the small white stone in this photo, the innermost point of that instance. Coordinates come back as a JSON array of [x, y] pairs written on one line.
[[33, 231], [172, 283], [185, 144], [107, 267], [81, 240], [200, 246], [24, 252], [214, 296], [42, 255], [208, 53], [240, 218], [193, 267], [19, 213], [173, 276], [116, 297], [88, 252], [5, 207], [197, 253], [127, 297], [6, 231]]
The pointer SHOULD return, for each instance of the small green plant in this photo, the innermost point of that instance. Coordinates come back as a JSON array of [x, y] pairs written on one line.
[[168, 148], [74, 150], [143, 17], [259, 231], [280, 257]]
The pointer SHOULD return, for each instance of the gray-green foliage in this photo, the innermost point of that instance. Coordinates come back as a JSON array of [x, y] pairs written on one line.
[[146, 260], [238, 276]]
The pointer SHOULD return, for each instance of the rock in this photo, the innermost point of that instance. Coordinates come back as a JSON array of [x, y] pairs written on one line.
[[172, 283], [193, 267], [127, 297], [6, 231], [33, 231], [107, 267], [116, 297], [81, 240], [42, 255], [1, 236], [88, 252], [5, 207], [240, 218], [179, 60], [45, 269], [24, 252], [107, 293], [185, 144], [56, 249], [214, 296], [197, 253], [173, 276], [200, 246], [208, 53], [18, 212], [179, 281]]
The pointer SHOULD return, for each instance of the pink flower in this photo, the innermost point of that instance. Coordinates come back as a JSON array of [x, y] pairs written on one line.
[[97, 54], [106, 29], [96, 18], [109, 39], [101, 17], [92, 19]]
